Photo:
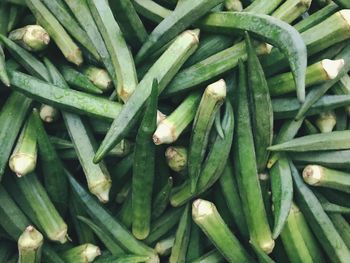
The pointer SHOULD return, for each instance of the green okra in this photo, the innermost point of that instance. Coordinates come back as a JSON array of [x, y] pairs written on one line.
[[214, 163], [261, 255], [331, 207], [161, 200], [206, 216], [24, 156], [290, 10], [164, 246], [151, 10], [261, 106], [336, 140], [289, 107], [12, 116], [195, 248], [310, 128], [4, 19], [282, 193], [78, 80], [316, 175], [32, 37], [177, 157], [326, 121], [59, 10], [46, 19], [105, 238], [48, 114], [182, 238], [262, 7], [130, 23], [3, 73], [169, 129], [233, 5], [343, 3], [342, 87], [49, 255], [315, 74], [15, 14], [318, 220], [163, 70], [212, 256], [100, 216], [120, 54], [99, 77], [211, 101], [81, 12], [33, 199], [247, 173], [81, 254], [230, 192], [342, 227], [183, 15], [30, 245], [144, 168], [125, 214]]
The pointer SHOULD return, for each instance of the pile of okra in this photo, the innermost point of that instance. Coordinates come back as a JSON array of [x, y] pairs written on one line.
[[199, 131]]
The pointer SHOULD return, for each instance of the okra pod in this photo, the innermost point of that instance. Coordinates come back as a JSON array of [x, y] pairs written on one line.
[[99, 77], [120, 54], [331, 207], [261, 255], [212, 256], [48, 114], [342, 87], [125, 214], [32, 37], [3, 31], [342, 227], [44, 17], [310, 128], [81, 254], [176, 157], [163, 70], [320, 223], [151, 10], [291, 10], [29, 246], [317, 175], [206, 216], [326, 121], [233, 5], [182, 237], [262, 7], [212, 99], [343, 3], [3, 74], [161, 200], [144, 168], [24, 156], [169, 129], [163, 247]]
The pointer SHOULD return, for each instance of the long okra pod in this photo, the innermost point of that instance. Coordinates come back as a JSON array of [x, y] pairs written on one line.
[[29, 246], [69, 49], [247, 173], [24, 156], [163, 70], [318, 220], [120, 54], [212, 99], [144, 168], [206, 216]]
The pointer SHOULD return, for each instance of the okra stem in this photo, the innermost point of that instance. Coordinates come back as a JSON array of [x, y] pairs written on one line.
[[29, 246], [81, 254], [32, 37]]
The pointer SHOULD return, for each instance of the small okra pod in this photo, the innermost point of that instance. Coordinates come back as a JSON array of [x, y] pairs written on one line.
[[30, 245], [171, 127], [176, 157], [32, 37], [164, 246], [99, 77], [24, 157], [326, 121], [48, 113], [206, 216], [212, 99], [317, 175], [85, 253]]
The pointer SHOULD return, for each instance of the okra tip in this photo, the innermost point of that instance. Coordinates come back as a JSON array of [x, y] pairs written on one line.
[[160, 116], [326, 121], [217, 89], [312, 174], [101, 189], [195, 34], [76, 57], [306, 3], [332, 67], [345, 13], [202, 208], [30, 239], [91, 252], [48, 113], [165, 133], [22, 163]]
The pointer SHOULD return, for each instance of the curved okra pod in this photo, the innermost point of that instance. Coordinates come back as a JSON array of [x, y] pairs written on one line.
[[282, 193], [24, 157], [30, 245], [144, 168], [169, 129], [316, 175], [318, 220], [247, 173], [81, 254], [213, 97], [120, 54], [206, 216], [44, 17], [163, 70]]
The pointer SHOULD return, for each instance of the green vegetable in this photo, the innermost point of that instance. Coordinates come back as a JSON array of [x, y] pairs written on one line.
[[29, 246], [48, 114], [163, 247], [151, 10], [31, 37], [290, 10], [326, 121], [99, 77], [161, 200], [212, 256], [342, 227], [81, 254], [176, 157]]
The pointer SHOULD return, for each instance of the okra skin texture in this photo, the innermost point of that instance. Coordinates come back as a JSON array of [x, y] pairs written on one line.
[[282, 193], [163, 70], [316, 175], [246, 171], [212, 256], [12, 116], [214, 163], [30, 245], [342, 227], [161, 200], [69, 49], [212, 99], [261, 108], [206, 216], [120, 54], [318, 220], [262, 7], [3, 73], [182, 238], [144, 168]]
